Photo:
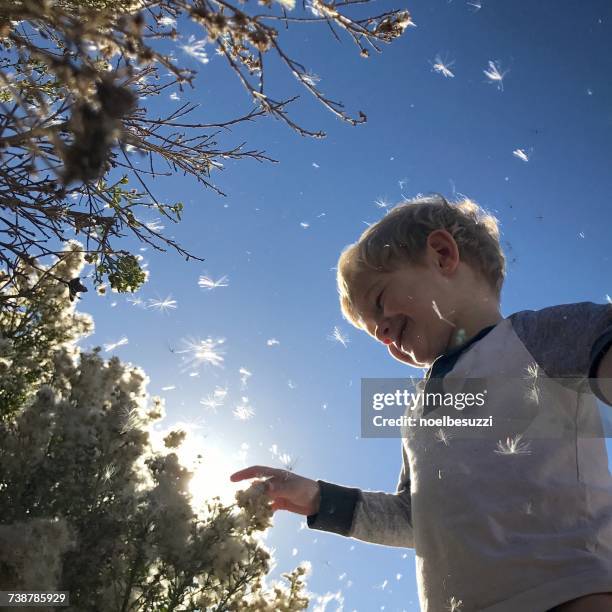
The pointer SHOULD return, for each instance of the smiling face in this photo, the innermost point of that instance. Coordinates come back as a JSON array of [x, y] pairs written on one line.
[[413, 308]]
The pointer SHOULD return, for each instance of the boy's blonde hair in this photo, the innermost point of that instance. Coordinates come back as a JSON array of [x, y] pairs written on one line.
[[401, 235]]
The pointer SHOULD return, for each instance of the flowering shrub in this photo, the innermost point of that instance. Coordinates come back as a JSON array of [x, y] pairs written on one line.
[[87, 504], [39, 328]]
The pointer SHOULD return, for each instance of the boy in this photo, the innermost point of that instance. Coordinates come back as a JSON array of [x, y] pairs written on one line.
[[528, 529]]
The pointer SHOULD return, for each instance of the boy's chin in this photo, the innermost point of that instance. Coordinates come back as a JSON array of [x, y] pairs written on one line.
[[409, 358]]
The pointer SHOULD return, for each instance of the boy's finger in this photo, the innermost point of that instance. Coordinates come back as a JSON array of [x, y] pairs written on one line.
[[279, 504], [254, 471]]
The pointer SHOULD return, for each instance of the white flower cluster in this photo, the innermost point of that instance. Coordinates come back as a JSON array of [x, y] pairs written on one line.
[[256, 505], [34, 328], [33, 549]]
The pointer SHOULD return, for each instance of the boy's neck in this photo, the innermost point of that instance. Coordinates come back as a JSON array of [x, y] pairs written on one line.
[[474, 319]]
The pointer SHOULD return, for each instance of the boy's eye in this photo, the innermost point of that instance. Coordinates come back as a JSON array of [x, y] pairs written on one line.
[[378, 301]]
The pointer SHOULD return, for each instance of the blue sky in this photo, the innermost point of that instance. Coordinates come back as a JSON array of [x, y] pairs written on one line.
[[425, 133]]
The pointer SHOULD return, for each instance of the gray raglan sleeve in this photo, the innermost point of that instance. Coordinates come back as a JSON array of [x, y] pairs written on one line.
[[369, 516], [569, 340]]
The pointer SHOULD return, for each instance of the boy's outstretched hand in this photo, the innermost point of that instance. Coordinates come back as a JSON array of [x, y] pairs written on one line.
[[287, 490]]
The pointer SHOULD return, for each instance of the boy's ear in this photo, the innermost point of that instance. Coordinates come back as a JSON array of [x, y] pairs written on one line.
[[445, 248]]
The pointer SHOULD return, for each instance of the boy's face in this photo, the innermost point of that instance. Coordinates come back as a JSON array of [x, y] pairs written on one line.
[[399, 307]]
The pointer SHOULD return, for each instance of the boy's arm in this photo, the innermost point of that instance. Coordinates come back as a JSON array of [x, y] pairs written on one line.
[[571, 341], [600, 368], [603, 376], [370, 516]]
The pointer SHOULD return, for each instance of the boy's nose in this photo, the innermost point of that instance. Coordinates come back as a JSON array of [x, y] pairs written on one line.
[[383, 333]]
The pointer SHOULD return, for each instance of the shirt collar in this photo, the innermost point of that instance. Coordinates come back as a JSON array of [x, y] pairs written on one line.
[[445, 362]]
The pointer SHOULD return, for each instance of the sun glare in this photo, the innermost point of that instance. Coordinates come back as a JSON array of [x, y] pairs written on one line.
[[210, 462], [211, 471]]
